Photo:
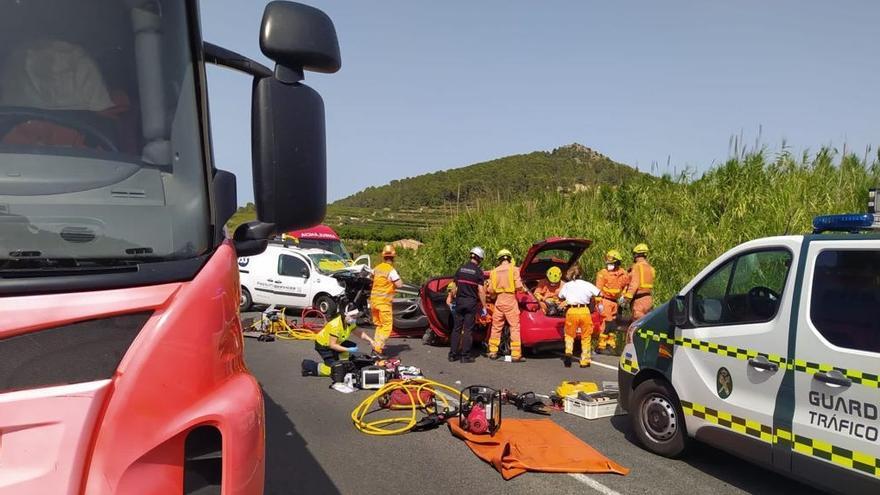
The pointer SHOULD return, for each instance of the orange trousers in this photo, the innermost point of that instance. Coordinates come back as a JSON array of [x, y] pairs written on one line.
[[383, 319], [579, 320], [506, 310], [606, 336], [642, 306]]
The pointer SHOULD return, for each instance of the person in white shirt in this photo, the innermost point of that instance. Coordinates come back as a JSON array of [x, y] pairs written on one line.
[[579, 296]]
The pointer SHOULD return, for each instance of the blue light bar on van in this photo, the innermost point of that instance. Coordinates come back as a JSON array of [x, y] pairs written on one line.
[[849, 222]]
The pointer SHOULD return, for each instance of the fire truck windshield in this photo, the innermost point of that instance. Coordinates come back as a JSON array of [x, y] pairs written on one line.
[[101, 151]]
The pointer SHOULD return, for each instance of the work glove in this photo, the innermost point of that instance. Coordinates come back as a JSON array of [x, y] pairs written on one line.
[[352, 349], [483, 312], [600, 308]]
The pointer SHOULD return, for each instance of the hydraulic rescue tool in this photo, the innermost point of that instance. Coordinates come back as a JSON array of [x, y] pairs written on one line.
[[526, 401], [479, 409]]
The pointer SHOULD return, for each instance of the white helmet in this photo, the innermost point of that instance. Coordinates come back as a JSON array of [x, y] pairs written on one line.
[[478, 252]]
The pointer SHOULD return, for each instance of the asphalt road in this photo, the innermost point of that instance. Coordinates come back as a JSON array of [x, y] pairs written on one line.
[[312, 446]]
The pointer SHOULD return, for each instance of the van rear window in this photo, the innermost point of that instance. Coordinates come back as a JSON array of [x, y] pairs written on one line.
[[845, 298]]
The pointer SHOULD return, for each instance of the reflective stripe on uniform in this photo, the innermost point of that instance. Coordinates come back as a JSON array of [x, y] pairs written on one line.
[[849, 459]]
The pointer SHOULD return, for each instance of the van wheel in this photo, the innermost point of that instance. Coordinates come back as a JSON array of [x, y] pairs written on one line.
[[244, 300], [657, 418], [326, 305]]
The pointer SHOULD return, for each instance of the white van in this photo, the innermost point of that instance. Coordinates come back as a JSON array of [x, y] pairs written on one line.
[[771, 353], [291, 277]]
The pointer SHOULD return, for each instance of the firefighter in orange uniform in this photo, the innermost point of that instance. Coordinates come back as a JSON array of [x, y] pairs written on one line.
[[386, 281], [612, 281], [641, 284], [547, 292], [504, 283]]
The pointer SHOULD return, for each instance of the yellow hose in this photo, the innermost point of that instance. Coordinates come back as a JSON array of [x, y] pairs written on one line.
[[297, 334], [412, 389]]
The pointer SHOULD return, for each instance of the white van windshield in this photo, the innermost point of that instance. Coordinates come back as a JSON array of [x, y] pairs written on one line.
[[100, 146], [327, 263], [335, 246]]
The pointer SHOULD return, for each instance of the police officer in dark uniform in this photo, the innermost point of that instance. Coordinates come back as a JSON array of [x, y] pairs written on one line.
[[469, 299]]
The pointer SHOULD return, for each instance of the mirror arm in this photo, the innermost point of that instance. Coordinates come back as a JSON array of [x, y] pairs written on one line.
[[251, 238], [218, 55], [289, 75]]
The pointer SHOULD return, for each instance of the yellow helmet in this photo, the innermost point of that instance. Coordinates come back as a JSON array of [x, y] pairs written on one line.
[[612, 256], [554, 274], [388, 251], [505, 253], [641, 248]]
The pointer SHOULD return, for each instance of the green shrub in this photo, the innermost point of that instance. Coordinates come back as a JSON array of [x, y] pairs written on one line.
[[687, 222]]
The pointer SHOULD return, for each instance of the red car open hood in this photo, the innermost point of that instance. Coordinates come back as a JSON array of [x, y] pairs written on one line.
[[555, 251]]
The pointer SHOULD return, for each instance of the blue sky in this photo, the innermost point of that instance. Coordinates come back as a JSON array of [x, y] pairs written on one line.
[[426, 86]]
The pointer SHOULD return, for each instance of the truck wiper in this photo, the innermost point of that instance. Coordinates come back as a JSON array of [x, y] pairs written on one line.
[[54, 267]]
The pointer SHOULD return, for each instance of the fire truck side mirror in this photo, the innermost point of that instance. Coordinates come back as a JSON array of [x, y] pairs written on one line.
[[288, 137], [289, 154], [299, 37]]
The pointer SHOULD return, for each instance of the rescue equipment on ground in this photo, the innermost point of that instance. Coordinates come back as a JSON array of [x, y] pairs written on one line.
[[420, 395], [274, 323], [479, 409], [371, 378], [594, 405], [569, 388], [341, 368], [526, 401], [535, 445], [403, 397]]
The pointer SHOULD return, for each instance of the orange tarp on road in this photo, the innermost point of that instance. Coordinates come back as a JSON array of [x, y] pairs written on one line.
[[522, 445]]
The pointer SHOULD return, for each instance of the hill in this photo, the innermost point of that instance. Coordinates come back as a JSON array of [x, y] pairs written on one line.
[[411, 207], [568, 168]]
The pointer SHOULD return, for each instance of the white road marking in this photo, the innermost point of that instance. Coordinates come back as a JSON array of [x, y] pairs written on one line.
[[603, 365], [592, 483]]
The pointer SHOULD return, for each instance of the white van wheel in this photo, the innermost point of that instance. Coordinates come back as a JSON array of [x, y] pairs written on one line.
[[244, 300]]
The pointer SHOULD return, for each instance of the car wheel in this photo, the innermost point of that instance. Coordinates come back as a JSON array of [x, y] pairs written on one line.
[[326, 305], [244, 300], [429, 338], [657, 418]]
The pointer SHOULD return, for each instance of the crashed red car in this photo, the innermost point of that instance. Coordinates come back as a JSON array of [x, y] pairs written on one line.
[[537, 330]]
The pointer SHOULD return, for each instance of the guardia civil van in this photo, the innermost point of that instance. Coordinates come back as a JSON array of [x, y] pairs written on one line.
[[771, 353]]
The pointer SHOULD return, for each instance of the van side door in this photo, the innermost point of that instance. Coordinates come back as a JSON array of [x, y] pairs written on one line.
[[293, 274], [836, 367], [727, 366]]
